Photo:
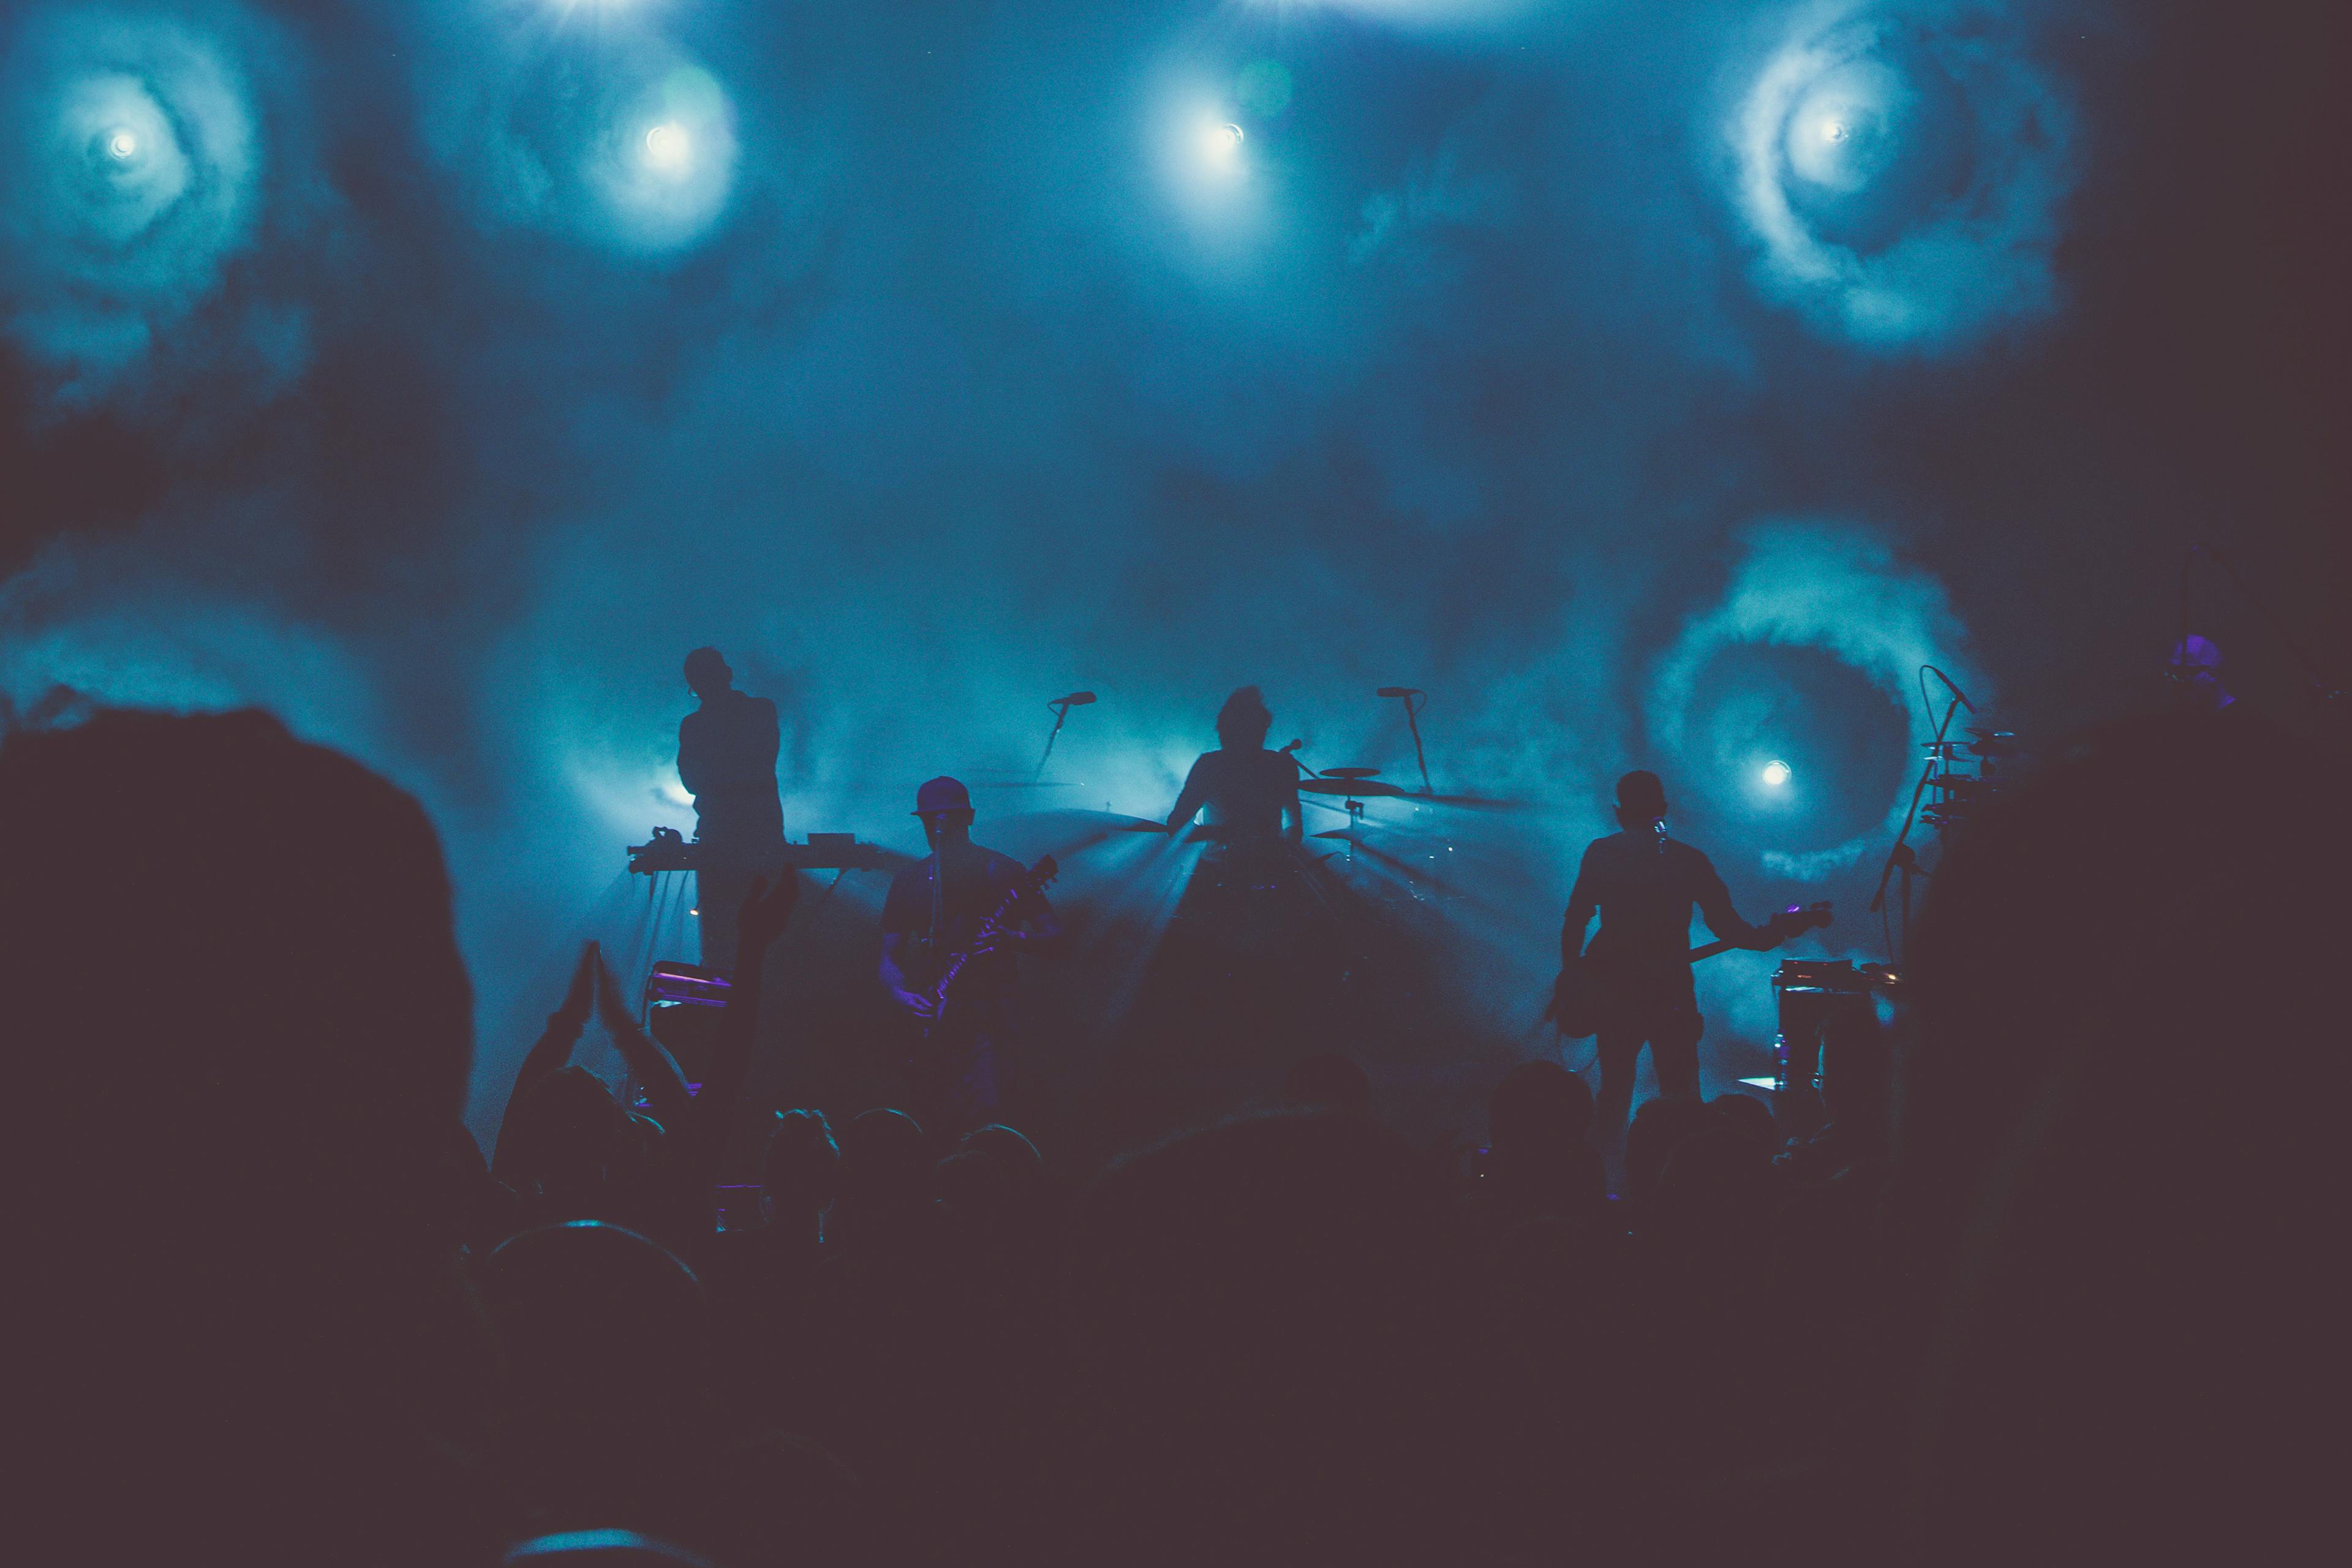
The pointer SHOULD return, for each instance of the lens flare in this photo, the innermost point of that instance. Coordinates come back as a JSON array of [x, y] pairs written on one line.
[[1903, 169]]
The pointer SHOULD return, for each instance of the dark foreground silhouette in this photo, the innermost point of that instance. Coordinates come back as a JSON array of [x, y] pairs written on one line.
[[2056, 1284]]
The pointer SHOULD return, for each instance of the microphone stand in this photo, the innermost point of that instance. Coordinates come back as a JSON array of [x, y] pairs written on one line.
[[1902, 856], [1061, 707]]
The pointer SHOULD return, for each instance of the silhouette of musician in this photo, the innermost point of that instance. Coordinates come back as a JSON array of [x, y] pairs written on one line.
[[1637, 968], [937, 909], [727, 759], [1250, 795]]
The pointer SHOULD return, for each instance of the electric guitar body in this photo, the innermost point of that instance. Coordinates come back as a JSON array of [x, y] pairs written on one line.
[[1576, 995]]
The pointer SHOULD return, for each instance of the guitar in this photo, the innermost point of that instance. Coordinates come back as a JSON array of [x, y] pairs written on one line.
[[1576, 1007], [1000, 919]]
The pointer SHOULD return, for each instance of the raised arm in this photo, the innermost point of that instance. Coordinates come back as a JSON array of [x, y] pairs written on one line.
[[553, 1047], [651, 1066], [1714, 901], [1189, 800]]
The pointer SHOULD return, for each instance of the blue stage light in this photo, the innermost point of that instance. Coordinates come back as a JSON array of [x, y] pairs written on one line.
[[1775, 774]]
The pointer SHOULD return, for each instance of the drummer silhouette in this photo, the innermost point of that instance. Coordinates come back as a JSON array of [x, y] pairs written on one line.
[[1249, 794]]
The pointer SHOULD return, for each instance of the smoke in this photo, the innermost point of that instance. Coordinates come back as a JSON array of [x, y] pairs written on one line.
[[940, 363], [1806, 584], [1904, 168], [165, 218]]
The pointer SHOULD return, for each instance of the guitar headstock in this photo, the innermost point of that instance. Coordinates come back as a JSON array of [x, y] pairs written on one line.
[[1042, 874], [1798, 919]]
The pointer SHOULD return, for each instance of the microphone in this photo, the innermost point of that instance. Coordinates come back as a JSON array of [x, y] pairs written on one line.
[[1080, 699], [1950, 687], [1400, 691]]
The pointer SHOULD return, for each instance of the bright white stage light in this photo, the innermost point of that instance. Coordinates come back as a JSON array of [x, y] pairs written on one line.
[[668, 147], [1775, 774], [1833, 130], [121, 144]]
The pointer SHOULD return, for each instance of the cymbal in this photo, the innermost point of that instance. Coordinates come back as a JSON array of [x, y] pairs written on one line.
[[1348, 786], [1333, 833], [1478, 803], [1991, 743], [1351, 772], [1141, 825]]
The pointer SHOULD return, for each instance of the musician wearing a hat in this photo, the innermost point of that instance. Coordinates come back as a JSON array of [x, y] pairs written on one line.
[[936, 911]]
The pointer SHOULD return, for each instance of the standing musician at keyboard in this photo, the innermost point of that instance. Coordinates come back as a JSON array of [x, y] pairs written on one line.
[[939, 909]]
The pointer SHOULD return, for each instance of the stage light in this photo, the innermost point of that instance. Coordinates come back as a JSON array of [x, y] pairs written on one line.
[[1221, 141], [121, 144], [1775, 774], [668, 147], [1833, 130]]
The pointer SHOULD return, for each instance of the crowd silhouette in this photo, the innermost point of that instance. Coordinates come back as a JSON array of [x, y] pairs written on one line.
[[2050, 1286]]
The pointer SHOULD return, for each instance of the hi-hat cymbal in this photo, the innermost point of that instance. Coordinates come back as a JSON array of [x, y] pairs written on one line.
[[1351, 772]]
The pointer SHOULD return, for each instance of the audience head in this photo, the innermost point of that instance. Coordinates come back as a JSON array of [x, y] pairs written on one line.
[[886, 1166], [1329, 1081], [1013, 1149], [1538, 1105], [566, 1137], [569, 1301], [801, 1172], [1657, 1130], [1261, 1329], [1750, 1118], [230, 960]]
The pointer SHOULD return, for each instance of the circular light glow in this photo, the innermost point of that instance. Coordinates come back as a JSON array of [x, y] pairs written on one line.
[[1905, 182], [668, 146], [1775, 774], [121, 144], [1222, 141]]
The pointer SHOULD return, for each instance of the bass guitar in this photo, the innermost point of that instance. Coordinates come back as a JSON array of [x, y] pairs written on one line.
[[1575, 1006], [1000, 919]]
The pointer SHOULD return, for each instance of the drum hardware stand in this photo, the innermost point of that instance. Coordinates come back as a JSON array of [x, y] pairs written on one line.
[[1414, 700]]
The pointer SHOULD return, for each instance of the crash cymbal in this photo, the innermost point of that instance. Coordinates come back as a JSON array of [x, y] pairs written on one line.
[[1334, 832], [1995, 744], [1348, 786], [1351, 772], [1479, 803]]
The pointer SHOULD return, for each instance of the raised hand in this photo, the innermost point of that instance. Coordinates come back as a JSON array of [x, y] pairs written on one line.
[[765, 912], [582, 991]]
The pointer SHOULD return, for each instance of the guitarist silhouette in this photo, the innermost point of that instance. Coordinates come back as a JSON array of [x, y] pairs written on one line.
[[964, 910], [1632, 985]]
